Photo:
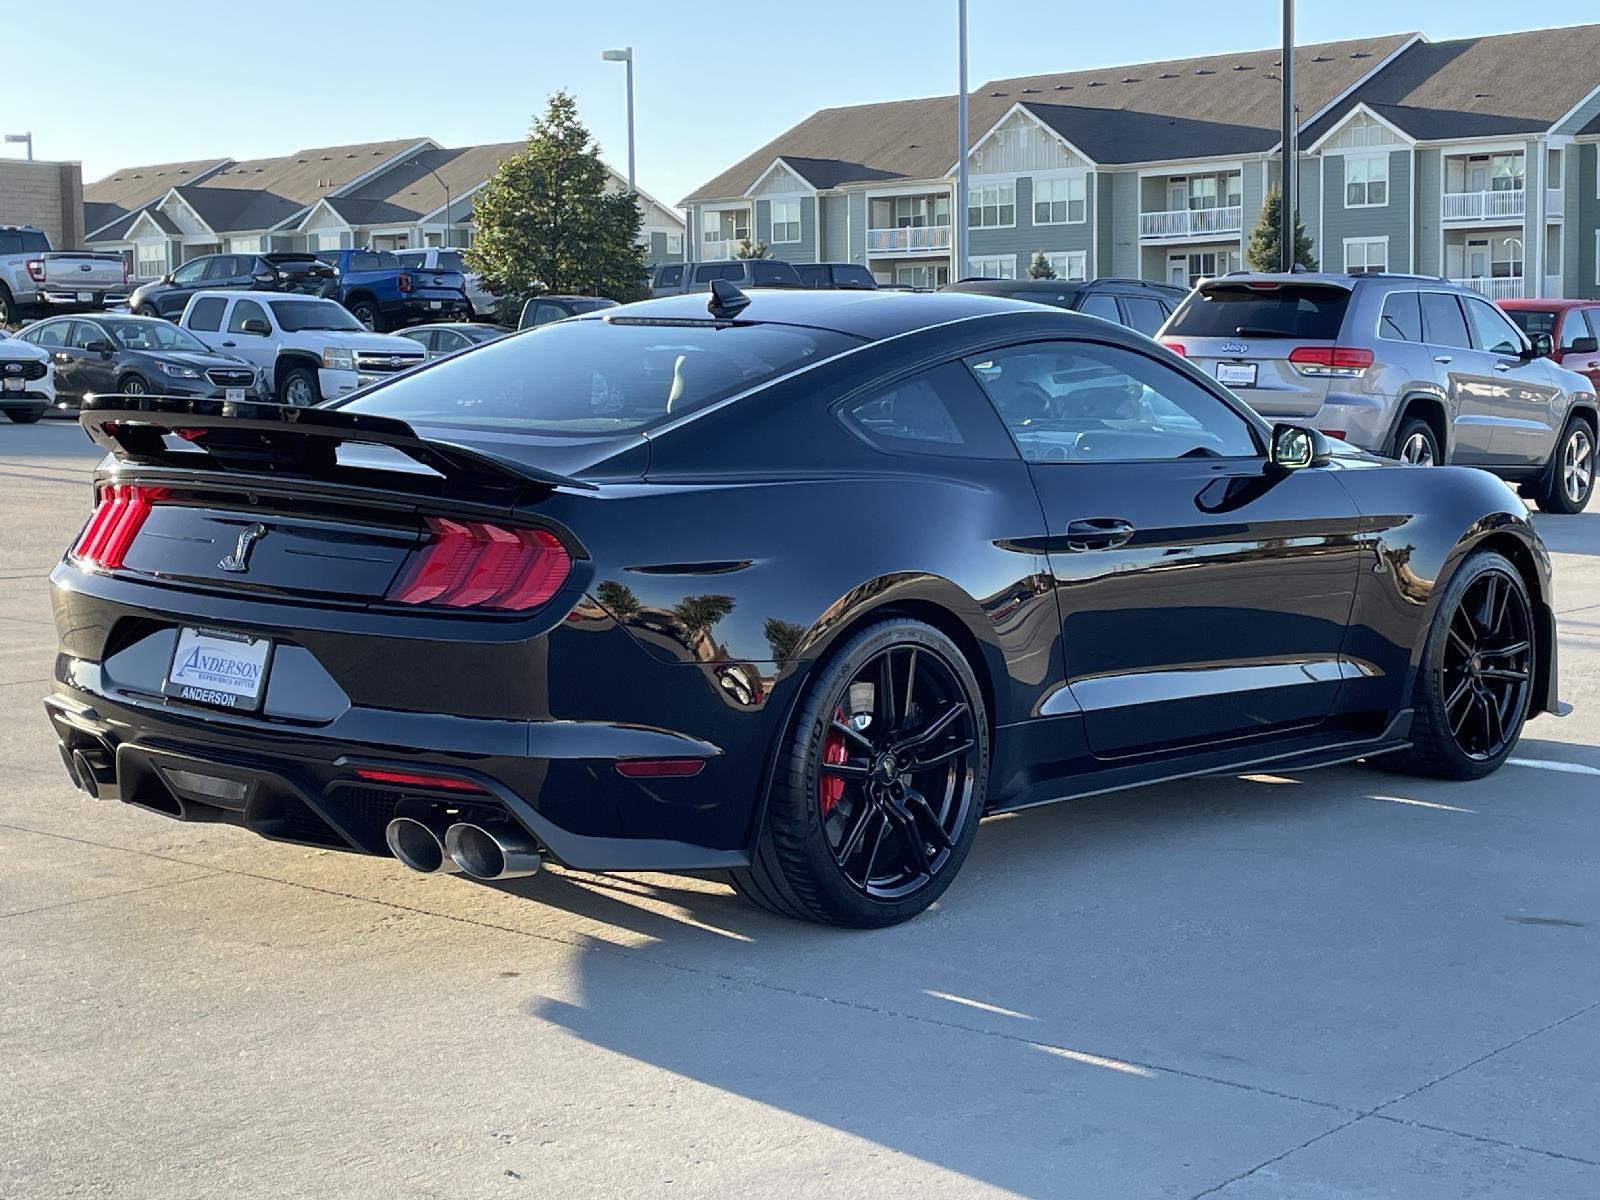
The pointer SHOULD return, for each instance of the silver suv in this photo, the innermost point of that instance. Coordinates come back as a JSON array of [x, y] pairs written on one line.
[[1406, 366]]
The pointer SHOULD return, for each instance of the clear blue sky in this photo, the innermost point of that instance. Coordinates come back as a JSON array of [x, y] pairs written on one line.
[[714, 80]]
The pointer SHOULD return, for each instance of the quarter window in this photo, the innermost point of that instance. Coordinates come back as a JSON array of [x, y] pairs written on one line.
[[205, 314], [1366, 255], [785, 221], [1067, 402], [1490, 328], [992, 206], [1059, 201], [1366, 180], [1401, 319], [938, 412]]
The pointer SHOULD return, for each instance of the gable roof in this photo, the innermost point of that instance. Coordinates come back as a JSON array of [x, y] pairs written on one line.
[[125, 191], [1511, 83], [408, 192]]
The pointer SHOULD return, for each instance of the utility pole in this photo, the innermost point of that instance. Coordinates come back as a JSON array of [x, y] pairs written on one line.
[[958, 240], [1289, 200]]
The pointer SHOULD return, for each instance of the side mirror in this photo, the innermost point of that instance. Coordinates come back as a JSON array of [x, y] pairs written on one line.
[[256, 328], [1295, 446], [98, 347], [167, 278], [1584, 346], [1541, 347]]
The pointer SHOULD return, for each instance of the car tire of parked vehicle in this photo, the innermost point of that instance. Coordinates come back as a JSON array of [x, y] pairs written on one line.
[[133, 385], [8, 308], [1570, 482], [1475, 681], [1416, 443], [366, 311], [148, 310], [24, 416], [299, 387], [896, 784]]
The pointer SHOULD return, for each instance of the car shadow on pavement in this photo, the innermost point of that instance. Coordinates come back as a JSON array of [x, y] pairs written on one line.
[[1575, 533]]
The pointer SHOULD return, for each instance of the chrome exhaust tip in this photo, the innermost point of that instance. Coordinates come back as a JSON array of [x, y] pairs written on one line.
[[418, 847], [501, 852], [83, 775]]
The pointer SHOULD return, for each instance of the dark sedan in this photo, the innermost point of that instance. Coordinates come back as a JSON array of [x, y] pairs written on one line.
[[453, 337], [796, 586], [136, 356]]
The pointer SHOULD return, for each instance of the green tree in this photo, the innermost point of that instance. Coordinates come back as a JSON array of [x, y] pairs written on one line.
[[1040, 267], [1263, 253], [784, 637], [749, 249], [547, 223]]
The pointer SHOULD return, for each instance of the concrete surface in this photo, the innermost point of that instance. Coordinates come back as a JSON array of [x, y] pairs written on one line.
[[1339, 984]]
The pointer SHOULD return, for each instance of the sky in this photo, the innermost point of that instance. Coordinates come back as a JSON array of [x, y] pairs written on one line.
[[713, 80]]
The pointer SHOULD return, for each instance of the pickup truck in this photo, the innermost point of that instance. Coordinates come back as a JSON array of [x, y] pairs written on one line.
[[435, 258], [383, 295], [36, 279], [308, 349]]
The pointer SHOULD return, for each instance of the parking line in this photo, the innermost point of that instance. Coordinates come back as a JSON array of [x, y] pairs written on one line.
[[1550, 764]]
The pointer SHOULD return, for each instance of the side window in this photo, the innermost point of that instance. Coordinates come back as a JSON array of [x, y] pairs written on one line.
[[191, 272], [813, 276], [1085, 402], [221, 267], [1574, 328], [671, 276], [545, 312], [1144, 314], [1491, 329], [1401, 318], [205, 314], [83, 333], [364, 260], [938, 412], [1442, 322], [426, 338], [1098, 304], [413, 260], [51, 333], [448, 341], [853, 275], [246, 310]]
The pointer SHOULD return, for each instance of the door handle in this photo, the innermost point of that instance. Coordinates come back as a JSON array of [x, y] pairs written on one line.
[[230, 345], [1500, 366], [1098, 533], [1444, 360]]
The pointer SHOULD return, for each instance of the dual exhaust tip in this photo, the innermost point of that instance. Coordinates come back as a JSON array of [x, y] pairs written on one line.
[[477, 851]]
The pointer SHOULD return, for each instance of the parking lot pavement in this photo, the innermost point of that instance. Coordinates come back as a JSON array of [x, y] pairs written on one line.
[[1337, 984]]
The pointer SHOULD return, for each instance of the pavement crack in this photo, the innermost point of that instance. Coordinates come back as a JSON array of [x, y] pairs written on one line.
[[1260, 1166], [149, 887], [1485, 1139]]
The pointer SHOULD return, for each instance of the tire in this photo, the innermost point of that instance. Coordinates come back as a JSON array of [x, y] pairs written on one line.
[[24, 416], [147, 310], [835, 786], [366, 311], [1572, 469], [8, 308], [299, 387], [1454, 707], [133, 385], [1416, 443]]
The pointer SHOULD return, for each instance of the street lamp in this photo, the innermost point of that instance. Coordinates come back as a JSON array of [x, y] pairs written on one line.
[[419, 163], [625, 55], [24, 137]]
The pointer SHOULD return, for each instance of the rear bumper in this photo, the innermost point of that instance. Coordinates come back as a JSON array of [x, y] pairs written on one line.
[[63, 300], [428, 307]]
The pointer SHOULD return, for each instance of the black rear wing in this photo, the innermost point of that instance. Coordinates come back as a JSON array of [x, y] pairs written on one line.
[[279, 441]]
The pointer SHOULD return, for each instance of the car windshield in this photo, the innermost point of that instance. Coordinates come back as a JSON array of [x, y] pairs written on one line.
[[1532, 321], [595, 376], [297, 315], [1290, 310], [153, 335]]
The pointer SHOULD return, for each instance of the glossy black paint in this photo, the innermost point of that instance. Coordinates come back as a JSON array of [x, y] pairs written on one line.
[[1253, 615]]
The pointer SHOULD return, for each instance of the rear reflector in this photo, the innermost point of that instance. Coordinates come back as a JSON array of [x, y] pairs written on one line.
[[1176, 348], [443, 783], [471, 564], [116, 521], [660, 768], [1330, 360]]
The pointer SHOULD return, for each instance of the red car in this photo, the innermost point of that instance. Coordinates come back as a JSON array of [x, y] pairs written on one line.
[[1573, 326]]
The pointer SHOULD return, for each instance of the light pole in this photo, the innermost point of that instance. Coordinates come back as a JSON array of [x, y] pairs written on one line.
[[625, 55], [23, 137], [419, 163], [958, 243], [1291, 150]]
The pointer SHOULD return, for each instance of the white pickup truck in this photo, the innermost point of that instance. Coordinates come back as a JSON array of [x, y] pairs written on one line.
[[36, 280], [309, 349]]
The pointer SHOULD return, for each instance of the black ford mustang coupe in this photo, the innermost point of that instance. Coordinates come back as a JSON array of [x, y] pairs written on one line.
[[795, 586]]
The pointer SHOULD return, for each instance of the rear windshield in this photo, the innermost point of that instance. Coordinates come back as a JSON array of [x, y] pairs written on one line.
[[595, 376], [1294, 310], [1531, 321], [23, 241]]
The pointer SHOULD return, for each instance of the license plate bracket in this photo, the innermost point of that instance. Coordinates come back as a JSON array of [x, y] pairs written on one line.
[[14, 385], [1237, 374], [85, 297], [218, 668], [234, 395]]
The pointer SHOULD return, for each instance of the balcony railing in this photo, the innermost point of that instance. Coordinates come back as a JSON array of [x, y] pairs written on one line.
[[1498, 287], [1191, 222], [712, 251], [1482, 206], [1555, 202], [908, 239]]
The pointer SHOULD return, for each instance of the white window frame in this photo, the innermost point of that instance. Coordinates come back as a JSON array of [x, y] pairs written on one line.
[[1370, 177], [159, 255], [998, 196], [674, 243], [1074, 191], [1597, 257], [1365, 244], [787, 207], [993, 266], [1072, 265]]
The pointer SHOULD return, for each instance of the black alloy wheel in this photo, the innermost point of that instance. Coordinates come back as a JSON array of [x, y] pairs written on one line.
[[133, 385], [880, 787], [366, 311]]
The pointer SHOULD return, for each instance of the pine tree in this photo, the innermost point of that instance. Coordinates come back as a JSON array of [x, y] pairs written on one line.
[[1263, 253], [546, 221], [1040, 267], [749, 249]]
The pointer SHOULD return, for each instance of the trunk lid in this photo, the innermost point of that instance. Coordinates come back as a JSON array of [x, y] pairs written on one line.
[[72, 269]]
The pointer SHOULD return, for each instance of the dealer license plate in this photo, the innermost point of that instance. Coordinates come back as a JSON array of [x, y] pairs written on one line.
[[435, 303], [85, 297], [1237, 374], [13, 385], [234, 394], [227, 670]]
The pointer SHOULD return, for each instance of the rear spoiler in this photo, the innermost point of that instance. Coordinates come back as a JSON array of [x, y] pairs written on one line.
[[276, 440]]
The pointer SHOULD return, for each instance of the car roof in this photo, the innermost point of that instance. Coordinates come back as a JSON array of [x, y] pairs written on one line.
[[1547, 305], [234, 293], [458, 326]]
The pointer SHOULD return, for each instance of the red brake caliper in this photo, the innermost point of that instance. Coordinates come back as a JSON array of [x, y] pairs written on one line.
[[831, 787]]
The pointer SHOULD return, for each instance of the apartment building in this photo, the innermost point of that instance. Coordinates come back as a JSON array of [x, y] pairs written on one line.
[[1473, 158]]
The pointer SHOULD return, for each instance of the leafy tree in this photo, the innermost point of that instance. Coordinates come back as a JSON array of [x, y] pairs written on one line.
[[546, 222], [698, 614], [784, 637], [618, 599], [749, 249], [1040, 267], [1264, 253]]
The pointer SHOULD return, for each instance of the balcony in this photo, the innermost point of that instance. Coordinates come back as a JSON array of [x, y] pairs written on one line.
[[909, 239], [1482, 206], [714, 251], [1191, 222], [1499, 287]]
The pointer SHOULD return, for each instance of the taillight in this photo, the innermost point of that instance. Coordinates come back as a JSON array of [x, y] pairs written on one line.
[[659, 768], [116, 521], [1176, 348], [36, 269], [405, 282], [1344, 361], [470, 564], [445, 783], [124, 272]]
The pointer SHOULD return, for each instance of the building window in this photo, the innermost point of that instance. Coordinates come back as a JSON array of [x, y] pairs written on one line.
[[725, 225], [1364, 256], [1505, 173], [152, 260], [1059, 201], [993, 206], [1186, 270], [1366, 180], [785, 221], [1070, 264], [244, 245], [674, 243], [993, 266]]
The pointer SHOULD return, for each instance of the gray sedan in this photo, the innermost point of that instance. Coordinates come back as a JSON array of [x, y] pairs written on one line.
[[136, 355]]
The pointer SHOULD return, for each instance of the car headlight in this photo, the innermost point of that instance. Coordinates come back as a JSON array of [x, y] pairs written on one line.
[[178, 370], [336, 359]]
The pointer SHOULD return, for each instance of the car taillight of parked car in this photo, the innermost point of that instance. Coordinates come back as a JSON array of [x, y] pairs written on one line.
[[1176, 348], [472, 564], [1345, 362], [36, 269], [118, 516], [405, 282]]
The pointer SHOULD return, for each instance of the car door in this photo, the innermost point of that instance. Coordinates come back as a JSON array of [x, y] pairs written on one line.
[[1462, 372], [205, 320], [448, 341], [186, 281], [1578, 343], [54, 338], [229, 271], [1144, 313], [257, 349], [96, 369], [1203, 594], [1524, 397]]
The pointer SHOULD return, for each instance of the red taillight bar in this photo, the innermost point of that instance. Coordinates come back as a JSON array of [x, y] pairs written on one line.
[[471, 564], [405, 282], [1344, 359], [116, 521], [1176, 348], [659, 768], [444, 783]]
